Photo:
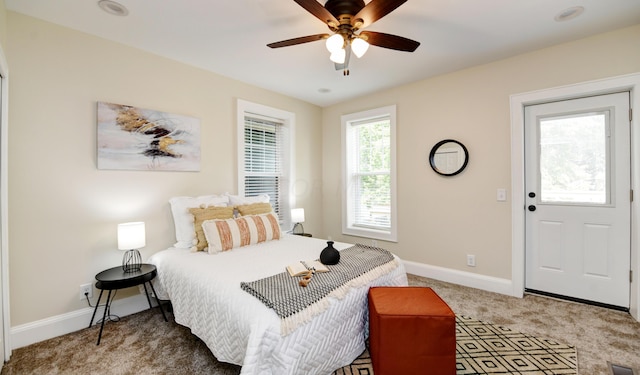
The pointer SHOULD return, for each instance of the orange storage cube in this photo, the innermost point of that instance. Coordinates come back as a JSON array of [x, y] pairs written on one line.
[[411, 331]]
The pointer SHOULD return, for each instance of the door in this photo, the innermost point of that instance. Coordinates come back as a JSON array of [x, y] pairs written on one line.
[[578, 186]]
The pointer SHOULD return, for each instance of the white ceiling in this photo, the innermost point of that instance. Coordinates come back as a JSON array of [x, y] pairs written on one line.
[[230, 37]]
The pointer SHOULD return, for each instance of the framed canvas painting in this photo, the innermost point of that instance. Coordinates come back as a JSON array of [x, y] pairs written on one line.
[[133, 138]]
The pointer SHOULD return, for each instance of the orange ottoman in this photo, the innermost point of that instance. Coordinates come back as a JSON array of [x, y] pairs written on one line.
[[411, 331]]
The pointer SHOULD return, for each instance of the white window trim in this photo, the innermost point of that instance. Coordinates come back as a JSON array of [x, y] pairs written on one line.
[[4, 211], [347, 227], [288, 163]]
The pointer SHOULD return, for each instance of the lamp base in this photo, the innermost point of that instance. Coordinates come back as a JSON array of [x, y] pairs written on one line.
[[297, 229], [131, 261]]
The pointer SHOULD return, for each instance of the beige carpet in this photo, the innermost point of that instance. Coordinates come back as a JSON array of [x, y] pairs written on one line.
[[144, 344], [600, 335]]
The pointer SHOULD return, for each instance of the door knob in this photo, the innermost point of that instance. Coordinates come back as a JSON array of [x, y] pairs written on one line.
[[531, 208]]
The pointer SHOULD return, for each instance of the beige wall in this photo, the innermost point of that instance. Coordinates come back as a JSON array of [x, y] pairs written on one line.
[[63, 211], [441, 220]]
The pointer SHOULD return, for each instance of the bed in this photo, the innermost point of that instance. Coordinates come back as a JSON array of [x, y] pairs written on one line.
[[213, 285], [205, 292]]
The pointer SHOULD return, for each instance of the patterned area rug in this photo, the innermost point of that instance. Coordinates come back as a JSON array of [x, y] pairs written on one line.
[[484, 348]]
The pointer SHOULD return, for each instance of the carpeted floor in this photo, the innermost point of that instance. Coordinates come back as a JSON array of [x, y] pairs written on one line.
[[144, 344], [600, 335]]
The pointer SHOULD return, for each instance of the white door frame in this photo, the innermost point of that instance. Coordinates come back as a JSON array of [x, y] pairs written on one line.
[[629, 82], [4, 209]]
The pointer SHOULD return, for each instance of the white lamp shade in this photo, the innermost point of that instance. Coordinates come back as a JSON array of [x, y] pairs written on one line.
[[338, 56], [334, 43], [359, 47], [131, 236], [297, 215]]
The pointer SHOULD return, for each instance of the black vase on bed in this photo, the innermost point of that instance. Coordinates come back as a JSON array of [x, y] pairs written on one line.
[[330, 255]]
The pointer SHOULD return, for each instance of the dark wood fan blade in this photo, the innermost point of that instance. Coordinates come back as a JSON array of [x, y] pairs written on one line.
[[300, 40], [390, 41], [375, 10], [315, 8]]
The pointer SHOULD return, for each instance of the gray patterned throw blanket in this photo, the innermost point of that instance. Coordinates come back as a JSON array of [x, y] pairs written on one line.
[[295, 305]]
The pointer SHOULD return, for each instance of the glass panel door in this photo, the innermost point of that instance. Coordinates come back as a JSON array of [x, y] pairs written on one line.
[[577, 181]]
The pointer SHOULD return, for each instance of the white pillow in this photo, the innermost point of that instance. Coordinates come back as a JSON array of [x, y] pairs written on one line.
[[237, 200], [183, 219], [227, 234]]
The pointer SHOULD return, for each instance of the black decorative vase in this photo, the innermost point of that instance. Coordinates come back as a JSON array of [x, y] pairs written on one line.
[[330, 255]]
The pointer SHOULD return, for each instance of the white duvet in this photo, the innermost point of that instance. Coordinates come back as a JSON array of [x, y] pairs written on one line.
[[205, 292]]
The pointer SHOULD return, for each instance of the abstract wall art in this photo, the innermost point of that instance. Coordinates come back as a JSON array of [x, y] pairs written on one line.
[[131, 138]]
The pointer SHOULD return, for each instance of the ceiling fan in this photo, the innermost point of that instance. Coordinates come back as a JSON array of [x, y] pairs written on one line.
[[345, 18]]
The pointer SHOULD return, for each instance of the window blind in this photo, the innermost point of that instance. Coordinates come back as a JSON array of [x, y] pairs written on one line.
[[263, 156]]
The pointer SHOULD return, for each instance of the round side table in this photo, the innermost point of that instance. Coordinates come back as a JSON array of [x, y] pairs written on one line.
[[116, 278]]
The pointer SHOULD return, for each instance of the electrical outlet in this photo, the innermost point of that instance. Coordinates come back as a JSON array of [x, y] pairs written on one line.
[[471, 260], [86, 288]]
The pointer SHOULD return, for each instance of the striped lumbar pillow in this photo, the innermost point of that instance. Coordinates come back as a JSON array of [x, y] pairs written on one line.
[[224, 235]]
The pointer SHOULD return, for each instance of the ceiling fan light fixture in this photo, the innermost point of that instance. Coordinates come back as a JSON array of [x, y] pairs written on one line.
[[338, 56], [345, 19], [359, 47], [335, 42]]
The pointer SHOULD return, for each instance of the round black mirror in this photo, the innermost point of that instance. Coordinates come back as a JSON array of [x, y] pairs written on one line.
[[448, 157]]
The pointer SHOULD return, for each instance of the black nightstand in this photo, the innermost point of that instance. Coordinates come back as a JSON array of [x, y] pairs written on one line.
[[303, 234], [115, 278]]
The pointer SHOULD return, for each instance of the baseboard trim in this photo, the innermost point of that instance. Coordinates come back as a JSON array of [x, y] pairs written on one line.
[[40, 330], [473, 280], [31, 333]]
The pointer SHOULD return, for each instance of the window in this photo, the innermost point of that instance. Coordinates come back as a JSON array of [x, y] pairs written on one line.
[[369, 197], [574, 159], [264, 155]]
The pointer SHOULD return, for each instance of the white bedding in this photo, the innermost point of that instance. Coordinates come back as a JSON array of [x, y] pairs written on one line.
[[205, 292]]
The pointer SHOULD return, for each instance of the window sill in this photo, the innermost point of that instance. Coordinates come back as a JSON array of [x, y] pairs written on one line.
[[370, 233]]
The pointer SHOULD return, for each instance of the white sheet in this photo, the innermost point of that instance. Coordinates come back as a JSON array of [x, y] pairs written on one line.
[[206, 296]]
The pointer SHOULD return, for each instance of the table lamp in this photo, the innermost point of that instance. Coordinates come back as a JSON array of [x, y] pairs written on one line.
[[297, 217], [131, 237]]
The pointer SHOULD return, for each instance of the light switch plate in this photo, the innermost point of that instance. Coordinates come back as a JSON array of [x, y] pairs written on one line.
[[501, 195]]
